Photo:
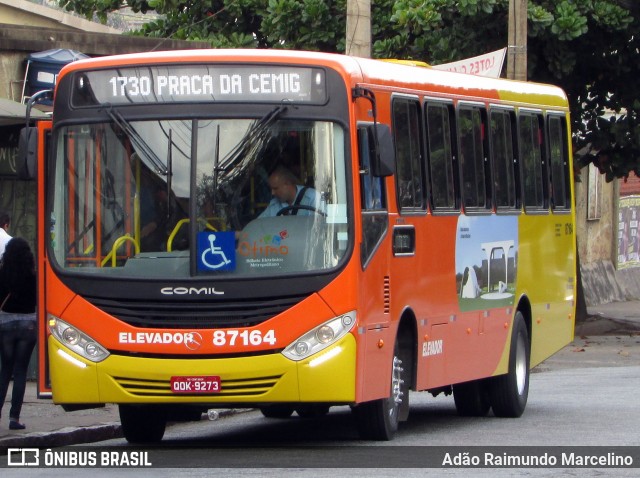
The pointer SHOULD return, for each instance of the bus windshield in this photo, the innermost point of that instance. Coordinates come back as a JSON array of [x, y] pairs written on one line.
[[186, 197]]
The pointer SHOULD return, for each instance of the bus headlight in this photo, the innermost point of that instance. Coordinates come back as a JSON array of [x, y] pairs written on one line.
[[76, 340], [320, 338]]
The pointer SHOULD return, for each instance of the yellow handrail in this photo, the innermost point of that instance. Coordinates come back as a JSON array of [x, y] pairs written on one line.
[[179, 224], [116, 244]]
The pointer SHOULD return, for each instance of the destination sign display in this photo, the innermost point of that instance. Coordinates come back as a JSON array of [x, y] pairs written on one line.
[[202, 83]]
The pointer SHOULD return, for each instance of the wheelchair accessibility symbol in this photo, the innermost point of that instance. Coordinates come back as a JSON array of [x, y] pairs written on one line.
[[216, 251]]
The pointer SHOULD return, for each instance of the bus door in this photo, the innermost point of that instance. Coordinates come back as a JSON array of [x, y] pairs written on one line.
[[374, 290], [102, 190], [33, 155]]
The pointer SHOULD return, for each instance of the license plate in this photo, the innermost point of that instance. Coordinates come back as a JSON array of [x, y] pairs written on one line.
[[203, 384]]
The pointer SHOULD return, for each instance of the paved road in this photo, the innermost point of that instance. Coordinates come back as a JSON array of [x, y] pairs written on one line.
[[585, 395], [48, 425]]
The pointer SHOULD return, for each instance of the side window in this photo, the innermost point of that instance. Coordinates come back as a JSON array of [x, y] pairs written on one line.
[[371, 187], [503, 159], [559, 159], [530, 148], [406, 134], [438, 119], [472, 157], [372, 197]]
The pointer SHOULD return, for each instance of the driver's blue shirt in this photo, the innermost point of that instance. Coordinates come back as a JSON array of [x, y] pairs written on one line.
[[310, 198]]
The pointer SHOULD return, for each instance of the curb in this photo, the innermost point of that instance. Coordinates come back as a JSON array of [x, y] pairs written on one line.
[[79, 435], [64, 436]]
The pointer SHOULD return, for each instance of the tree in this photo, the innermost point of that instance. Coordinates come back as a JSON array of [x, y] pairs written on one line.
[[292, 24], [588, 47]]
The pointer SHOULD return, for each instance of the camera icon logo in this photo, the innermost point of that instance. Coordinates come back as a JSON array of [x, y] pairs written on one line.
[[23, 457]]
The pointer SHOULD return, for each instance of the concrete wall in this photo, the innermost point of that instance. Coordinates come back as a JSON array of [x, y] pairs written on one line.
[[30, 39], [12, 66], [602, 283], [23, 12], [597, 247], [596, 237]]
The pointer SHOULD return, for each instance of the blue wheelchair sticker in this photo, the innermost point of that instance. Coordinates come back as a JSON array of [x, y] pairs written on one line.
[[216, 251]]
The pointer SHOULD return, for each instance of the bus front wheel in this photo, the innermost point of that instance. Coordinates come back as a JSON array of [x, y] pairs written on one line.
[[378, 419], [509, 392], [143, 423]]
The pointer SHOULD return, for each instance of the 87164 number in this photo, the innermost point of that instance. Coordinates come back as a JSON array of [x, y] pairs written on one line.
[[245, 337]]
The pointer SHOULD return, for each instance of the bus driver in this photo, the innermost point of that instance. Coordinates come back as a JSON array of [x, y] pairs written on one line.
[[288, 195]]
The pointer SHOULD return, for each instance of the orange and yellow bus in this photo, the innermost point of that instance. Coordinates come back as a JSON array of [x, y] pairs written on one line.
[[430, 245]]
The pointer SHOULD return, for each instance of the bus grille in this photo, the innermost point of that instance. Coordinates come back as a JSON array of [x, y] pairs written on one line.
[[195, 315], [238, 388]]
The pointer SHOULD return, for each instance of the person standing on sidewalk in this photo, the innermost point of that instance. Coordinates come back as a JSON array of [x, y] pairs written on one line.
[[5, 220], [18, 331]]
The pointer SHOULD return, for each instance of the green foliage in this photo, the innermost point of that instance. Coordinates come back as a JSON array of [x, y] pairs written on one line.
[[588, 47], [569, 23], [308, 24]]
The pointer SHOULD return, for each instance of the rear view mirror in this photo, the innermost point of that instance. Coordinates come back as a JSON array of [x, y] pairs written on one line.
[[27, 153]]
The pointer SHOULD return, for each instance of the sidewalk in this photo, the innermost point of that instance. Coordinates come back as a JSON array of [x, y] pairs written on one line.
[[48, 425], [611, 318]]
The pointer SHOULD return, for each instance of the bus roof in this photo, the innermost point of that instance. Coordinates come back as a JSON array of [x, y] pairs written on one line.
[[356, 71]]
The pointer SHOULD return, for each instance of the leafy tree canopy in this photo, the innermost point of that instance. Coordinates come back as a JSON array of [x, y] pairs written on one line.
[[588, 47]]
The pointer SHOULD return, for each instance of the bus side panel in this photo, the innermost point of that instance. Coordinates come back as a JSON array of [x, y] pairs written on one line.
[[547, 277], [467, 320], [435, 306], [376, 344], [433, 357]]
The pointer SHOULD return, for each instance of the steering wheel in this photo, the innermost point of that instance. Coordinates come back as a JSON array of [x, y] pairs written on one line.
[[297, 207]]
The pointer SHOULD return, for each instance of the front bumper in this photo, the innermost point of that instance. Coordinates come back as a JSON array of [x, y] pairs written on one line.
[[328, 376]]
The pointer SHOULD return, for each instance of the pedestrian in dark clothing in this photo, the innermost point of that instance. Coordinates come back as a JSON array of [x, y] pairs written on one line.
[[5, 221], [18, 333]]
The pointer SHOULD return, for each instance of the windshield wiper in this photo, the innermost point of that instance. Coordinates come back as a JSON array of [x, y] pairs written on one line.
[[139, 143], [251, 142]]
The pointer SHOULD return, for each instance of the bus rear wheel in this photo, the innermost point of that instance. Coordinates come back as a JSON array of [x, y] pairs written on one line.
[[143, 423], [509, 392], [472, 398], [277, 411], [312, 410], [378, 419]]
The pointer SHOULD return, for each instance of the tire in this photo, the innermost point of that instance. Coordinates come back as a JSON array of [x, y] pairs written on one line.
[[312, 410], [378, 419], [472, 398], [509, 392], [143, 423], [277, 411]]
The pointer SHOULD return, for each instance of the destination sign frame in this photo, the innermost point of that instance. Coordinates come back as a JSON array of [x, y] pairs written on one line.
[[201, 83]]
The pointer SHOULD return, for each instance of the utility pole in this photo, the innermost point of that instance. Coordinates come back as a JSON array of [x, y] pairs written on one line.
[[517, 42], [358, 35]]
